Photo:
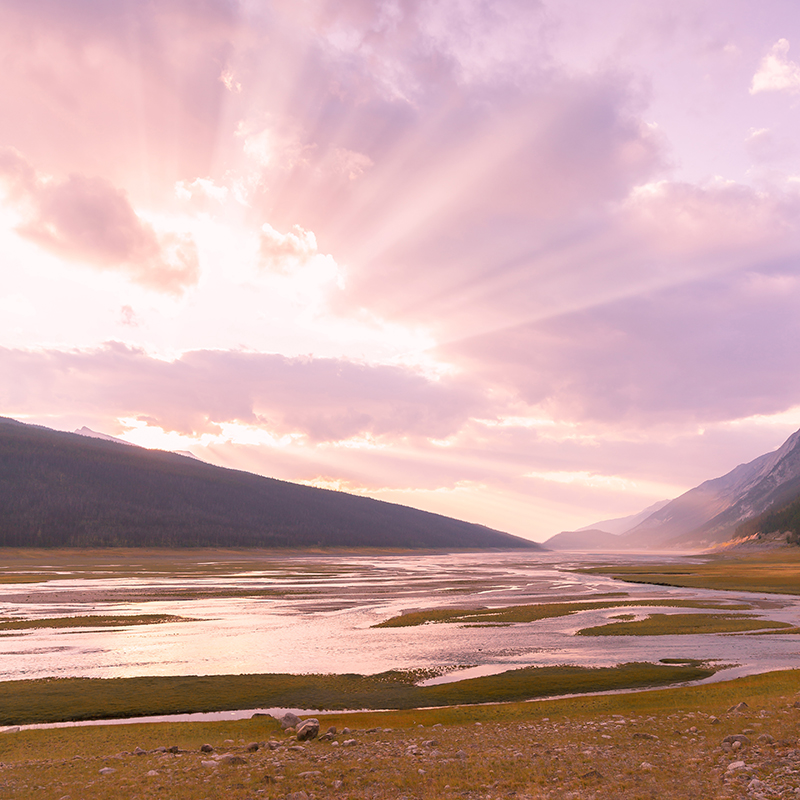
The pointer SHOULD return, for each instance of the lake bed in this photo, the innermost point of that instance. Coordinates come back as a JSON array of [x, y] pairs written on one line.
[[312, 613]]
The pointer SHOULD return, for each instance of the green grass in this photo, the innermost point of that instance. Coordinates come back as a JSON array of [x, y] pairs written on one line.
[[54, 700], [684, 624], [97, 621], [775, 572], [533, 612]]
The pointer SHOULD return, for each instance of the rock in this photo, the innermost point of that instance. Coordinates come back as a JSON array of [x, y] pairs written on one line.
[[307, 730], [796, 704], [461, 754], [649, 736], [645, 766], [160, 750], [338, 784], [273, 745], [756, 785], [765, 738], [297, 748], [206, 748], [737, 737], [13, 729], [346, 731], [430, 743], [735, 765], [137, 751], [107, 771], [152, 773], [739, 707], [349, 742], [714, 720], [297, 796], [209, 763], [592, 773], [289, 720], [252, 747], [174, 749], [231, 760], [326, 737], [314, 773], [331, 730]]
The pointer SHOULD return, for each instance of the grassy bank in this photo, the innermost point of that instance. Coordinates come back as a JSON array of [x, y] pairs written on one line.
[[777, 571], [685, 624], [55, 700], [650, 744], [91, 621], [534, 611]]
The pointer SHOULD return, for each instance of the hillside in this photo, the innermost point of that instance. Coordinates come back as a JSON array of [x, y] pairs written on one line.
[[65, 490], [592, 539], [711, 512]]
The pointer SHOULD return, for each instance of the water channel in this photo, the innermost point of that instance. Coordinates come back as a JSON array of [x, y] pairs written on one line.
[[319, 619]]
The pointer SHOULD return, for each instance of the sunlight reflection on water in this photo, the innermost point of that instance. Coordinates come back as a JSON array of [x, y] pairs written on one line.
[[324, 624]]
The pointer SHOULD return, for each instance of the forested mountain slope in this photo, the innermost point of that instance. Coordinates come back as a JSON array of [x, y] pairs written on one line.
[[60, 489]]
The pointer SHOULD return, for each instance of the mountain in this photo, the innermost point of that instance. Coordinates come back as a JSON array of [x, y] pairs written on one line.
[[711, 512], [583, 539], [84, 431], [623, 524], [67, 490]]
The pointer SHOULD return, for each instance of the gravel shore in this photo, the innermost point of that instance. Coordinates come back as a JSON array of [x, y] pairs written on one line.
[[746, 752]]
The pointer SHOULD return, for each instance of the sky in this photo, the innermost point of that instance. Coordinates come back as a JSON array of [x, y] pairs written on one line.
[[527, 263]]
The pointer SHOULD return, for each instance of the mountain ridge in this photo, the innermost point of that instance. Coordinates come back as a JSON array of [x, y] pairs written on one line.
[[61, 489]]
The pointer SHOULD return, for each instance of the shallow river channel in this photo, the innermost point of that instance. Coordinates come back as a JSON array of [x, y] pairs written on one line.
[[320, 614]]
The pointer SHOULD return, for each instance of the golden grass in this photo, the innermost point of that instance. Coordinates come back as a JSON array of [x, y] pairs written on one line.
[[643, 745], [777, 571]]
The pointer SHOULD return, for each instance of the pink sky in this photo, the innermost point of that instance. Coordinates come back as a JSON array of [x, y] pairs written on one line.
[[529, 264]]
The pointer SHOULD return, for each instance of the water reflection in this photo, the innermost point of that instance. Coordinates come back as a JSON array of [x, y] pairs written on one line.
[[319, 617]]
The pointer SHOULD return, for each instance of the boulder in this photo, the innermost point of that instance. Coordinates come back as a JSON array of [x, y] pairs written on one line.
[[307, 730], [230, 759], [290, 720], [736, 737]]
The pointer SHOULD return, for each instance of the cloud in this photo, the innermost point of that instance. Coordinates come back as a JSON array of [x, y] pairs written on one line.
[[704, 351], [281, 252], [89, 220], [777, 73], [322, 399]]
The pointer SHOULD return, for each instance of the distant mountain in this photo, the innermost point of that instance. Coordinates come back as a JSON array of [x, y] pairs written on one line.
[[584, 540], [84, 431], [623, 524], [711, 512], [67, 490]]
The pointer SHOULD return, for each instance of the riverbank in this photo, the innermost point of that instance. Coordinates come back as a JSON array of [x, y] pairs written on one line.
[[672, 743]]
